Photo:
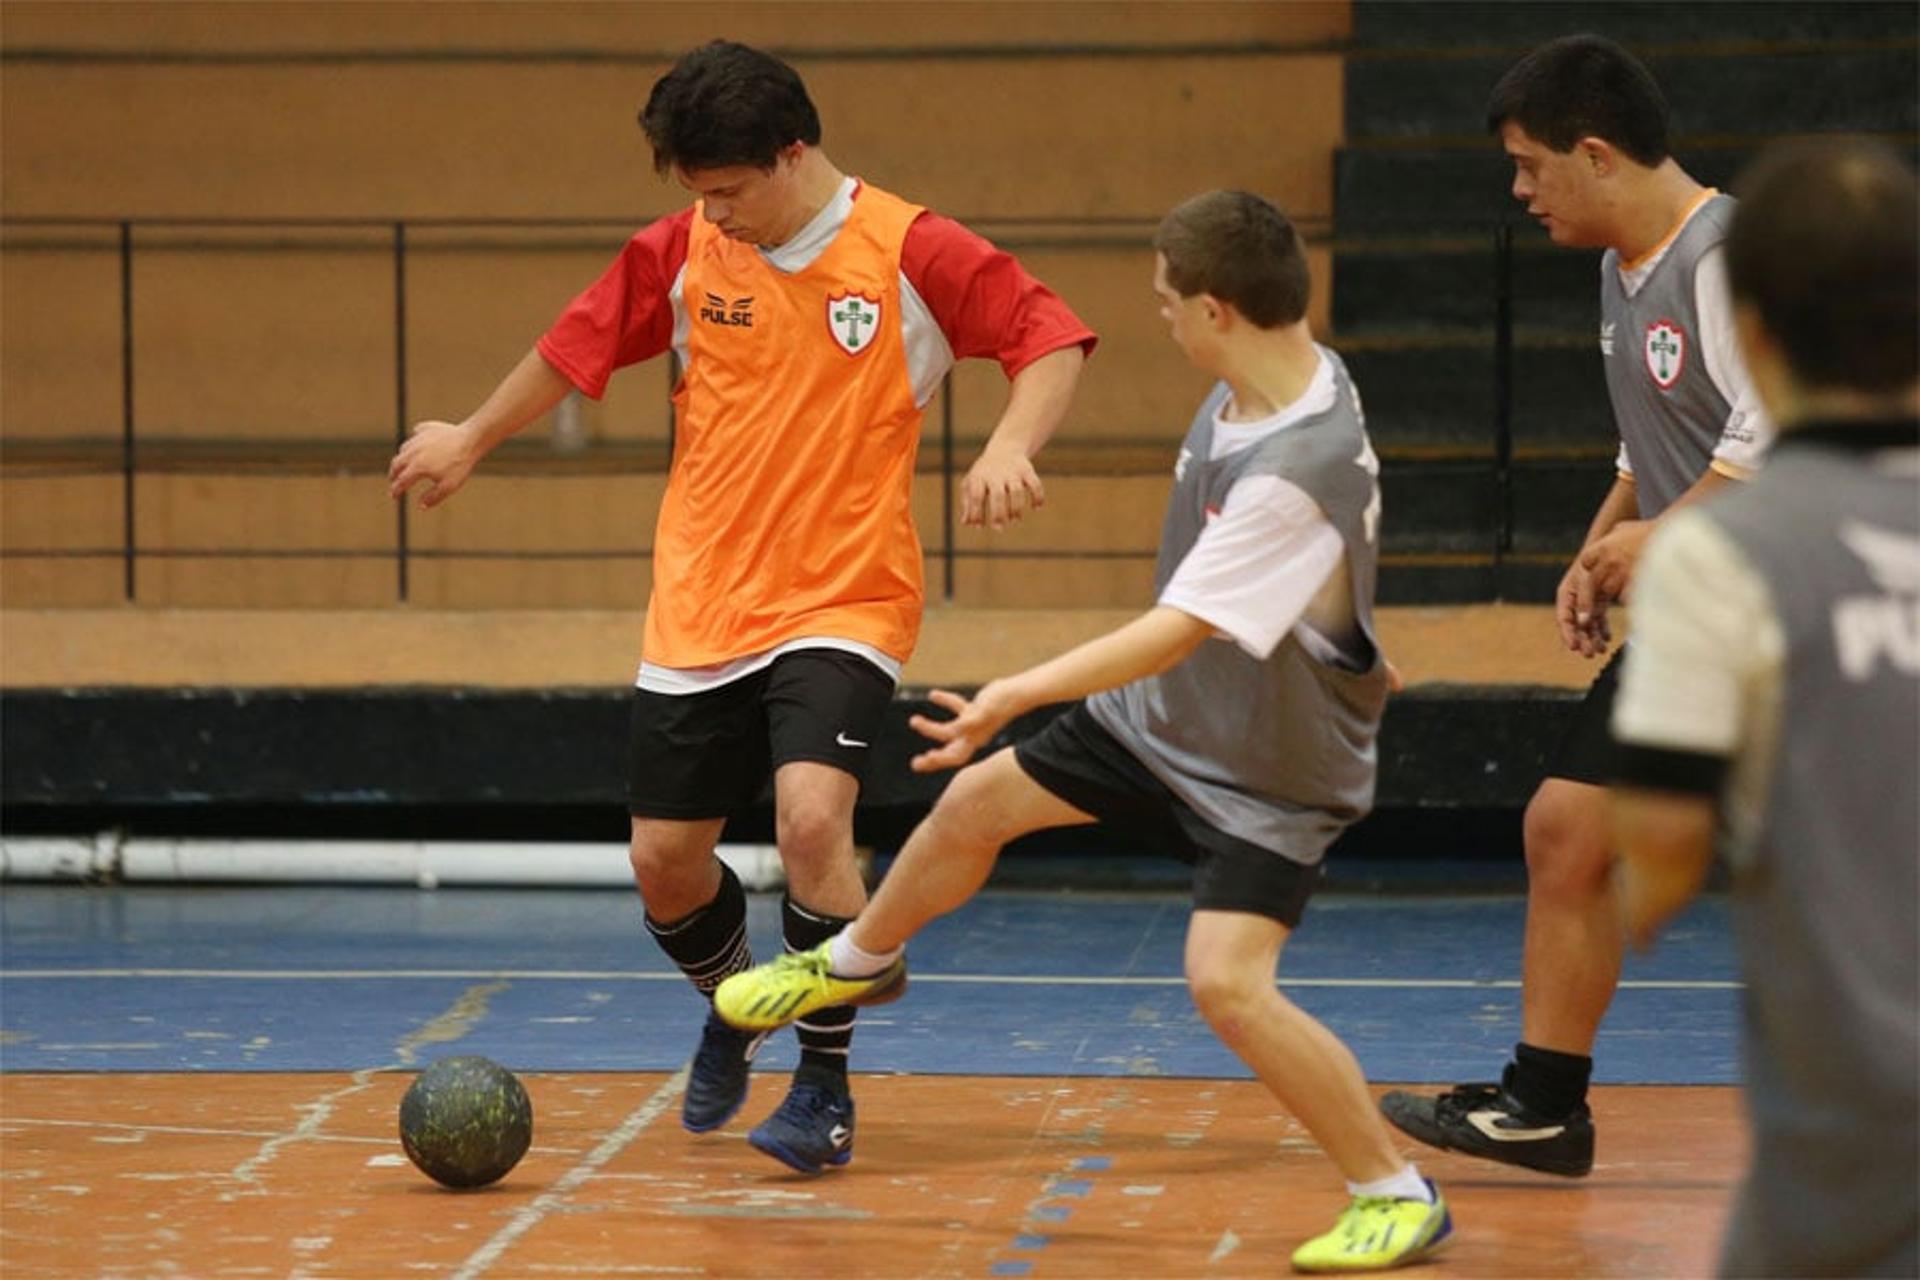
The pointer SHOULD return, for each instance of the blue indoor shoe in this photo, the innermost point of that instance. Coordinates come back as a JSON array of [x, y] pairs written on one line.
[[717, 1081], [814, 1127]]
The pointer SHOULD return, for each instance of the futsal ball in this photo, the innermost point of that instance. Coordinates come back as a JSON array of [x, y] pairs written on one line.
[[466, 1121]]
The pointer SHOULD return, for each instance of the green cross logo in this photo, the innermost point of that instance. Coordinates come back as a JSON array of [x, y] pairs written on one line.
[[854, 313], [1666, 352]]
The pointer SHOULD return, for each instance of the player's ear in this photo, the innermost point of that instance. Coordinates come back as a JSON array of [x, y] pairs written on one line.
[[1598, 155]]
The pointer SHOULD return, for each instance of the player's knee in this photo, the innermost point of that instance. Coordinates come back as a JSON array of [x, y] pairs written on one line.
[[973, 808], [813, 832], [1566, 846], [647, 860], [1229, 996], [668, 875]]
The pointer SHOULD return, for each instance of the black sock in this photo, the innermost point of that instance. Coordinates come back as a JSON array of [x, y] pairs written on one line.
[[1547, 1082], [826, 1035], [709, 944]]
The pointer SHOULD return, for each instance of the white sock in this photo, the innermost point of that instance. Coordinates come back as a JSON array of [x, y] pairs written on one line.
[[1404, 1185], [850, 961]]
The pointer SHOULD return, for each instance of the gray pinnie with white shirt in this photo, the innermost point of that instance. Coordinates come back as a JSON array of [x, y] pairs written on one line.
[[1268, 731], [1681, 399]]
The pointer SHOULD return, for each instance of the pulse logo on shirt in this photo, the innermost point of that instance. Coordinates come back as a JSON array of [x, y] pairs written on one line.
[[1868, 629], [738, 315]]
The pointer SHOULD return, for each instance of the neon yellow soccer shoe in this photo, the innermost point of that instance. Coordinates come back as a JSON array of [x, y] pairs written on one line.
[[797, 984], [1377, 1233]]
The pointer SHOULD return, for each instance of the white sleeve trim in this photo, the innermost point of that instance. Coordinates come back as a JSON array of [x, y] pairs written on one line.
[[1747, 433], [1705, 634], [1258, 564], [929, 354], [677, 298]]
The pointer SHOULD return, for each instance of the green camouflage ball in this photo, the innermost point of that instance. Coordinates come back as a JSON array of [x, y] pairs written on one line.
[[466, 1121]]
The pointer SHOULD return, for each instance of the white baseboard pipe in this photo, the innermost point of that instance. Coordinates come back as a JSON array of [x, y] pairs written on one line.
[[423, 863]]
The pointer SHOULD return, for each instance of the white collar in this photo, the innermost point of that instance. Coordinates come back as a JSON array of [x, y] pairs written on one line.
[[812, 240], [1315, 400]]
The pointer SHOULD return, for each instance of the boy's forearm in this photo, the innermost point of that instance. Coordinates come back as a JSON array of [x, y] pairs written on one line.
[[1156, 640], [1037, 401], [1621, 503], [1664, 842], [531, 388]]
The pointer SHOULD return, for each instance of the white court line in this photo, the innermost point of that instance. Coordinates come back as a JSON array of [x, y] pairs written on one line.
[[189, 1130], [964, 979], [36, 1122], [612, 1145]]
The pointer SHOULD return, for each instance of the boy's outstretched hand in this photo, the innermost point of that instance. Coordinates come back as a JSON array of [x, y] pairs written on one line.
[[973, 725]]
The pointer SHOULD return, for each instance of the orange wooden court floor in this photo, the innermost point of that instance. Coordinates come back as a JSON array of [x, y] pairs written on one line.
[[112, 1175]]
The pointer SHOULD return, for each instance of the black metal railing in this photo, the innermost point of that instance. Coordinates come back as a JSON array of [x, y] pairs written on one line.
[[137, 456]]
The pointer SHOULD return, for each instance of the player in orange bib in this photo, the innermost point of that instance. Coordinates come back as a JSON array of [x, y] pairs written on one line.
[[814, 316]]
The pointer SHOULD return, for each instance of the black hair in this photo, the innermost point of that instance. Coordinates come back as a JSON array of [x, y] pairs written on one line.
[[1824, 247], [1242, 250], [1584, 86], [727, 104]]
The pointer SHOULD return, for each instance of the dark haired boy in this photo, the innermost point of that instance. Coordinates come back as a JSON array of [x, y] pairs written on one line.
[[1771, 703], [1586, 126], [814, 317]]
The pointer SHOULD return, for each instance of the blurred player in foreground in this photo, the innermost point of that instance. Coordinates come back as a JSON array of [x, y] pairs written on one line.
[[1771, 705]]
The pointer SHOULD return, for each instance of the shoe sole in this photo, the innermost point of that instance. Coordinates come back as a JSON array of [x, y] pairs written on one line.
[[794, 1160], [1441, 1239], [884, 995], [1419, 1129]]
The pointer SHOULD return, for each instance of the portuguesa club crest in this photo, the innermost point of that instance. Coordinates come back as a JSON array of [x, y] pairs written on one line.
[[852, 319], [1666, 349]]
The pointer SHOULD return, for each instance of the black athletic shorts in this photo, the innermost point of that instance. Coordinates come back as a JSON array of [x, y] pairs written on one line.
[[1079, 761], [1586, 753], [708, 755]]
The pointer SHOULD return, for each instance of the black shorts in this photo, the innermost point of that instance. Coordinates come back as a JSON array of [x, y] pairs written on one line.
[[1586, 752], [1079, 761], [708, 755]]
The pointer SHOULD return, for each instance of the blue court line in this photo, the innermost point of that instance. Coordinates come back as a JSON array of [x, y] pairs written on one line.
[[1424, 989]]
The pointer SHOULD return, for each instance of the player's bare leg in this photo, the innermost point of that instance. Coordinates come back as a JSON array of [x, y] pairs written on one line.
[[813, 1127], [1395, 1215], [1574, 943], [952, 852], [673, 864], [813, 816], [697, 913], [1536, 1115], [1231, 962]]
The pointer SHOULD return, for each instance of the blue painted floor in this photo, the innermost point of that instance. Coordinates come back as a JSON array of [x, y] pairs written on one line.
[[1423, 987]]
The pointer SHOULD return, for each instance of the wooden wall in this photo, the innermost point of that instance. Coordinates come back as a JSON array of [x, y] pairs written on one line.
[[264, 359]]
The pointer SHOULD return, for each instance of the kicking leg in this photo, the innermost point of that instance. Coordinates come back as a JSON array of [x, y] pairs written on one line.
[[944, 862]]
